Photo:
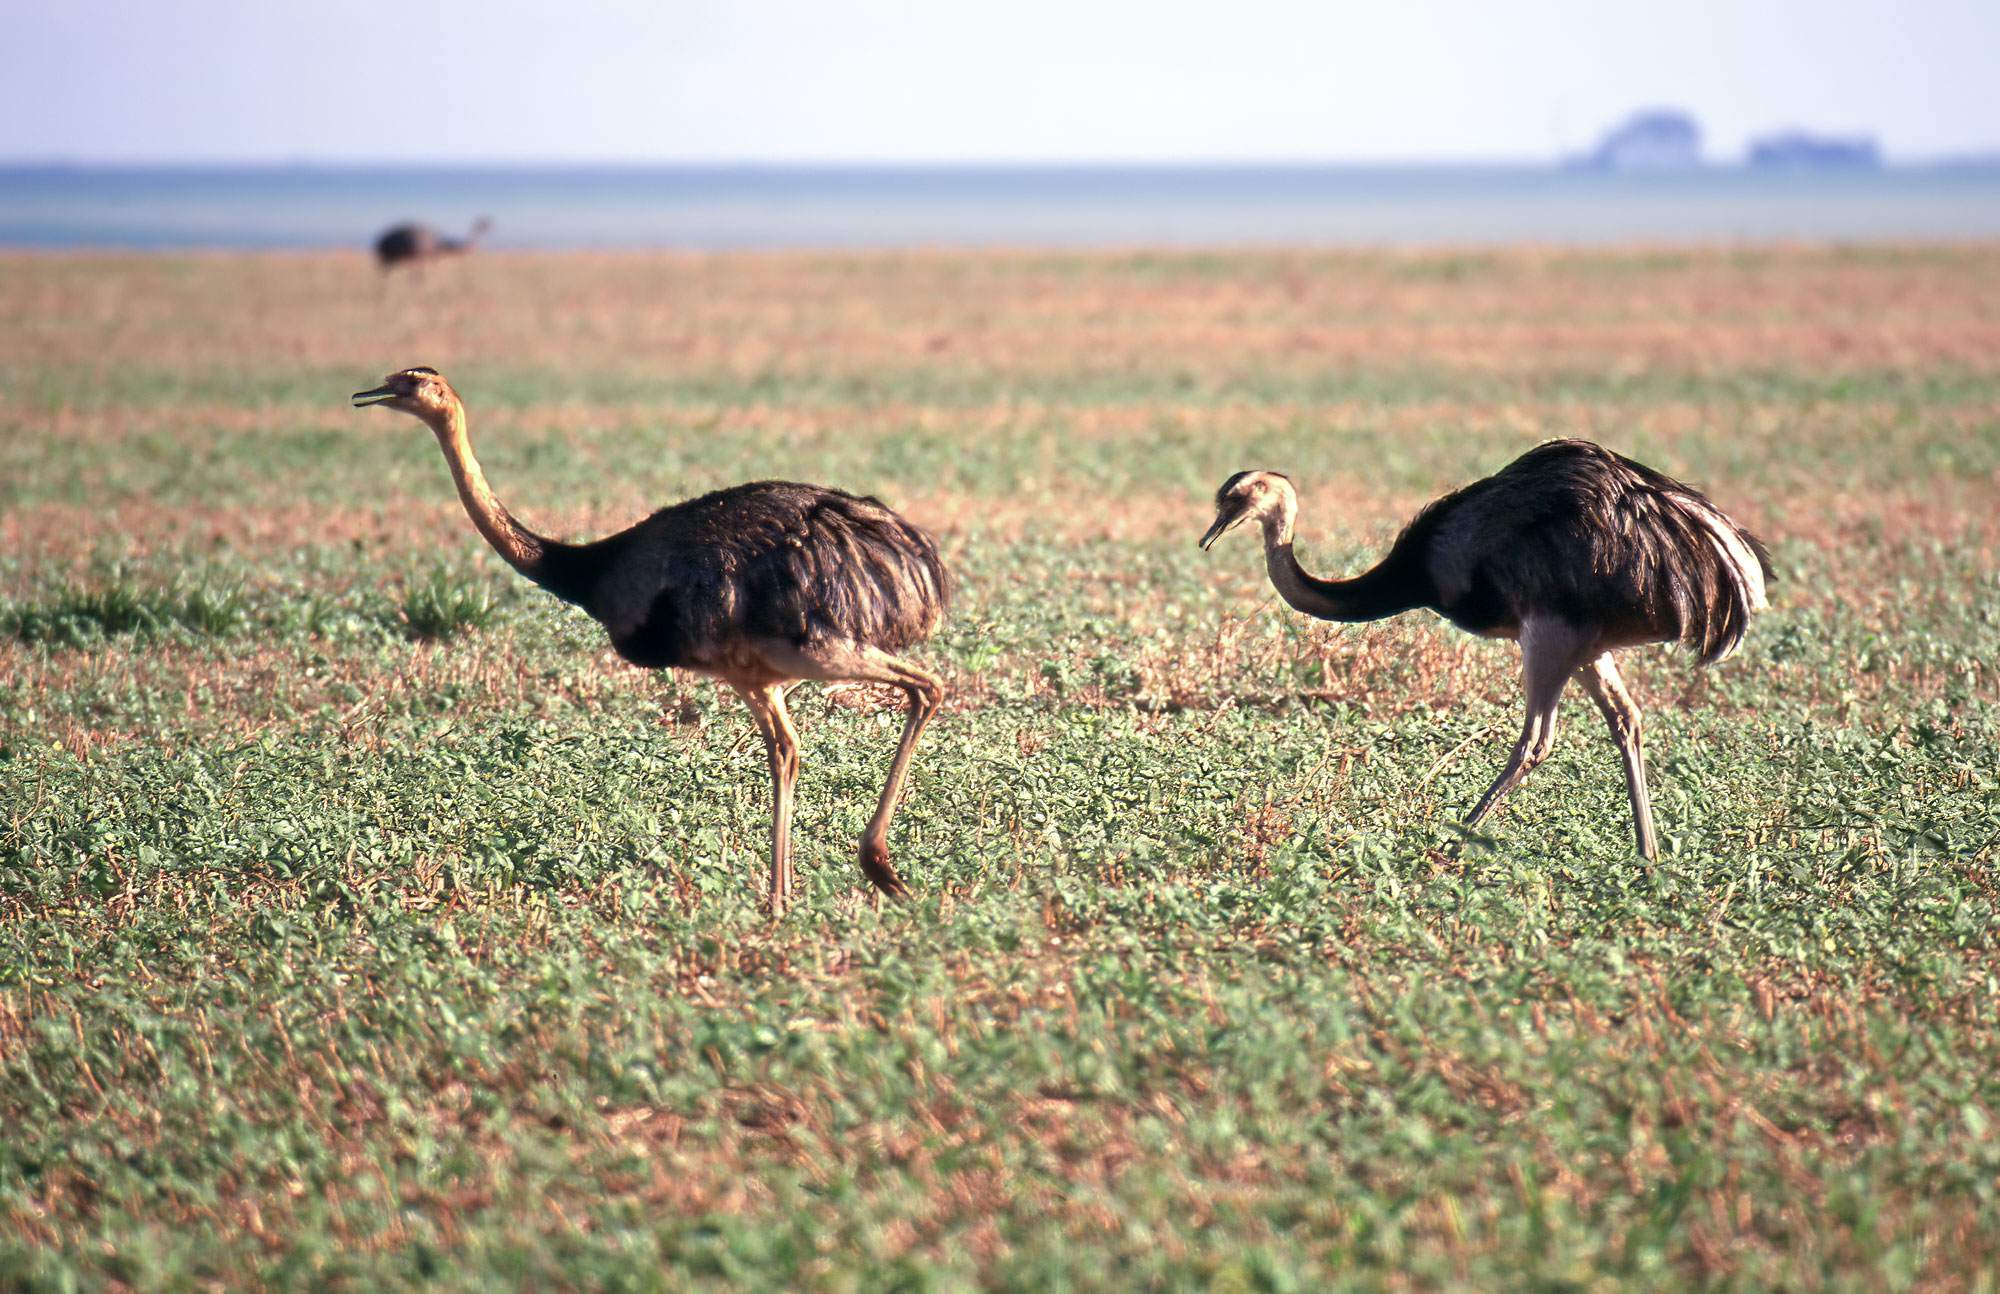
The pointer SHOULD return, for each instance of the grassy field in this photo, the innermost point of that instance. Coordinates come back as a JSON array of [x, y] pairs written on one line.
[[364, 922]]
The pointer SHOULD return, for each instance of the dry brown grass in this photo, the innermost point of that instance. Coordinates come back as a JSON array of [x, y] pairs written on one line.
[[1288, 992], [1028, 327], [1020, 315], [1339, 512], [1018, 319]]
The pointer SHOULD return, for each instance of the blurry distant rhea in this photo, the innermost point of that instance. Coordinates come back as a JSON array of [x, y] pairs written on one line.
[[414, 244], [758, 585], [1570, 549]]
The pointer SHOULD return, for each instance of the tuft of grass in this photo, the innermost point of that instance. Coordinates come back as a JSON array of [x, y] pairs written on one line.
[[440, 606], [88, 616], [77, 617]]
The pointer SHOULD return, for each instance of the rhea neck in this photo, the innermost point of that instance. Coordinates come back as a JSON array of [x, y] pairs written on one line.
[[535, 556], [1394, 584]]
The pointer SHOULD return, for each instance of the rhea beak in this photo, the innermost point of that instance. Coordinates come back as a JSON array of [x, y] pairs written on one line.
[[380, 395], [1224, 520]]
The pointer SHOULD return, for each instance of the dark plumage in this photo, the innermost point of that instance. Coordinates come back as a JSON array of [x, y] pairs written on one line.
[[758, 585], [770, 559], [414, 244], [1570, 549]]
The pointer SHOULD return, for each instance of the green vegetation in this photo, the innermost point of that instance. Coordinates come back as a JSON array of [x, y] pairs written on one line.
[[364, 924]]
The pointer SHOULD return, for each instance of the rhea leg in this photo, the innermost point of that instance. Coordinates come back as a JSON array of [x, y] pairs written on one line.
[[861, 664], [1551, 651], [926, 694], [1600, 678], [781, 745]]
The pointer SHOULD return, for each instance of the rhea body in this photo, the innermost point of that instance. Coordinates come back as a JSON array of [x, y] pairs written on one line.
[[413, 244], [1571, 550], [758, 585]]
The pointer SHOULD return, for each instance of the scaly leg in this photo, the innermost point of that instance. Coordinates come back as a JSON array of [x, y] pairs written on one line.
[[1600, 678], [781, 745], [856, 663], [926, 693], [1551, 650]]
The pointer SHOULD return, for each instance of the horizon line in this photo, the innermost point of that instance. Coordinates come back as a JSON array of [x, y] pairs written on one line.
[[1571, 162]]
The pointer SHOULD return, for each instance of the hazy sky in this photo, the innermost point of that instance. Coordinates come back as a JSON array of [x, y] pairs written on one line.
[[1023, 80]]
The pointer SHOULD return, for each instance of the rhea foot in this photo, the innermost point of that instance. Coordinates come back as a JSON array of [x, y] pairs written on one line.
[[875, 865]]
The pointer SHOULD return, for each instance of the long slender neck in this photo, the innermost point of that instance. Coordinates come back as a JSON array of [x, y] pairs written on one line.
[[1385, 589], [525, 551]]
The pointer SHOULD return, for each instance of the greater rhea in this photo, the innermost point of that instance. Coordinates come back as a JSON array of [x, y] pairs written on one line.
[[413, 244], [759, 585], [1571, 550]]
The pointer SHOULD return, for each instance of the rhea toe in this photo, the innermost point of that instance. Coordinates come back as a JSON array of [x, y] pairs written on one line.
[[759, 585], [1571, 550]]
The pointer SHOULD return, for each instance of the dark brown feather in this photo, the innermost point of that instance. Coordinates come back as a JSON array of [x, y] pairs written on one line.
[[770, 559], [1573, 530]]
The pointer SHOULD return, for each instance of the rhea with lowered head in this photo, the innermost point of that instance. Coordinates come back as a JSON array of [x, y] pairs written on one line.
[[1571, 550], [759, 585]]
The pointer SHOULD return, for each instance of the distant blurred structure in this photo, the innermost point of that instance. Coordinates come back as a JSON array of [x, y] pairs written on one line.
[[1666, 139], [1659, 139], [1796, 150], [413, 244]]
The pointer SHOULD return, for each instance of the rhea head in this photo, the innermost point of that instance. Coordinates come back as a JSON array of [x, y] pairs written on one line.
[[418, 391], [1249, 495]]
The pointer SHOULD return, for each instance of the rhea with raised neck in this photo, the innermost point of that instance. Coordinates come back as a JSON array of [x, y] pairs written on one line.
[[760, 586], [423, 394]]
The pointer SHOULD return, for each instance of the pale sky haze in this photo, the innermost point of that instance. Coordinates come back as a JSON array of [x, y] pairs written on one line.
[[483, 81]]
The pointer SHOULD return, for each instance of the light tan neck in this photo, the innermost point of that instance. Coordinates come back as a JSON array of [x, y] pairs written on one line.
[[1287, 577], [521, 547], [1383, 590]]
